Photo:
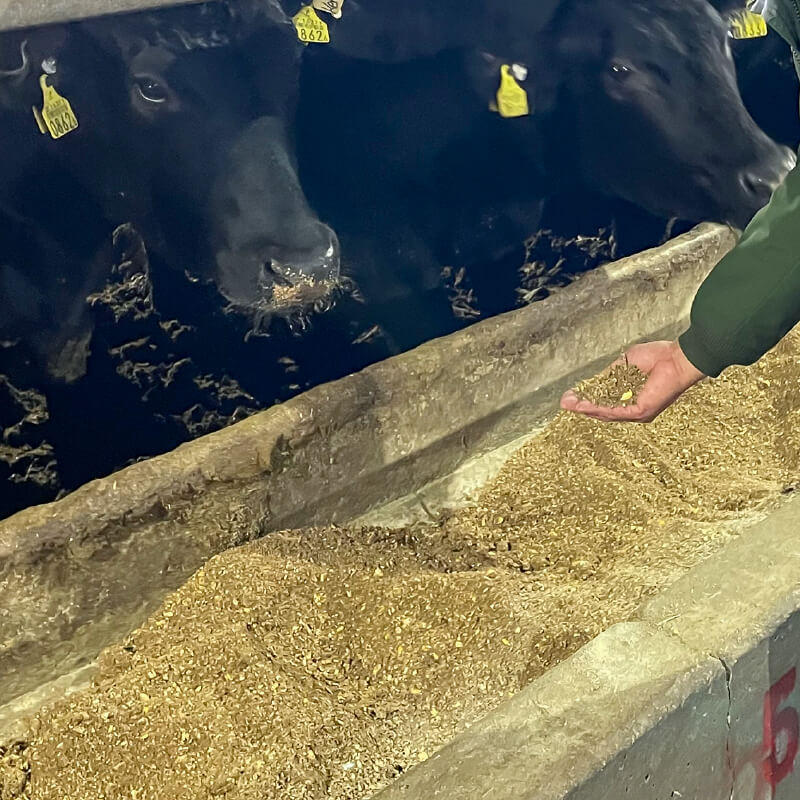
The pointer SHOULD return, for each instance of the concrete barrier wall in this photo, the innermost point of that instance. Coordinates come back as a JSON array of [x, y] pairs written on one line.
[[29, 13], [698, 698], [77, 574]]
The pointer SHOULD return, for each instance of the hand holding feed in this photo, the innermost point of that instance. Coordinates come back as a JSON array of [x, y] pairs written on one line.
[[669, 375]]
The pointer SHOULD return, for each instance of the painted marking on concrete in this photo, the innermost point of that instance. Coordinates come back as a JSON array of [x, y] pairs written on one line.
[[759, 771]]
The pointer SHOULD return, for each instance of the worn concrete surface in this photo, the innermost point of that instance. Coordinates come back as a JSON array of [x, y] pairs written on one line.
[[743, 608], [683, 755], [729, 604], [563, 729], [456, 489], [13, 715], [28, 13], [77, 574]]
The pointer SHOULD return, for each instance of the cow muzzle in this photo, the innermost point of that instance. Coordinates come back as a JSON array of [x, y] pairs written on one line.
[[281, 280], [752, 187]]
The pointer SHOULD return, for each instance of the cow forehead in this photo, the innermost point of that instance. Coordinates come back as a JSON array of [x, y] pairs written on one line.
[[212, 24], [153, 59], [178, 29], [667, 25]]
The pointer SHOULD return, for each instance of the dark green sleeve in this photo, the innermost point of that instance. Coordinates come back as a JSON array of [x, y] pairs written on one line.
[[751, 299]]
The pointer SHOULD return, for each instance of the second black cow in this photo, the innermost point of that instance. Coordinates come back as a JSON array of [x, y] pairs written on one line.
[[635, 98]]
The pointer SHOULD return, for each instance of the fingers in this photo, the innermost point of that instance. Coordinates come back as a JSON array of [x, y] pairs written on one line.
[[631, 413], [655, 359], [645, 356], [569, 401]]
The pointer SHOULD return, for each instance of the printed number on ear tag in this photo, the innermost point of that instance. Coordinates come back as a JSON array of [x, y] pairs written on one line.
[[56, 117], [333, 7], [747, 25], [512, 99], [309, 27]]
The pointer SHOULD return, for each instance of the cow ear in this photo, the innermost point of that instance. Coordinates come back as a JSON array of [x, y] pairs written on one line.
[[12, 80], [23, 54], [483, 69]]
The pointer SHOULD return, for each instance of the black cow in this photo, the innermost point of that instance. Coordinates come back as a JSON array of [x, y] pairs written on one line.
[[660, 75], [184, 122], [636, 98], [213, 119]]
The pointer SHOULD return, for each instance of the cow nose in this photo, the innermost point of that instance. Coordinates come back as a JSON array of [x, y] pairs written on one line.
[[762, 183], [759, 187], [317, 261], [756, 186]]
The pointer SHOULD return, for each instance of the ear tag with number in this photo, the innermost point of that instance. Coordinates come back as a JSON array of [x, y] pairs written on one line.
[[56, 117], [747, 25], [512, 99], [309, 27], [333, 7]]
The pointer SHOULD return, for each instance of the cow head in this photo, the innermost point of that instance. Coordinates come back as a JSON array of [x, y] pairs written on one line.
[[655, 111], [211, 123]]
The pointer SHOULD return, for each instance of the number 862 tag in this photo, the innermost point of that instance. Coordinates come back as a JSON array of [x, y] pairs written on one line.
[[309, 27], [56, 117]]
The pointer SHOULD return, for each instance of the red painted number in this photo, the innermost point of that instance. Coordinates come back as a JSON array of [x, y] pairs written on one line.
[[766, 766], [781, 729]]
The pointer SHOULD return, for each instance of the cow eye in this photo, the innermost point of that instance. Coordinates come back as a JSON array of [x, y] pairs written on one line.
[[151, 90], [620, 71]]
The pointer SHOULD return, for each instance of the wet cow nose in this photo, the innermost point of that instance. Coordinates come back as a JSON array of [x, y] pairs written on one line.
[[756, 185], [763, 183], [314, 257]]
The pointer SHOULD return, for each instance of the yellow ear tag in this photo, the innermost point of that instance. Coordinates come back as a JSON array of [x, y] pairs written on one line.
[[747, 25], [333, 7], [56, 117], [512, 99], [309, 27]]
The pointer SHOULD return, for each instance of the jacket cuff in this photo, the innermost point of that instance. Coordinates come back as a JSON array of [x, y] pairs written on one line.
[[700, 353]]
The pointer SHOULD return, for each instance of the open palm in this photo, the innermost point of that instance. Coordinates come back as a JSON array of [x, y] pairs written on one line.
[[669, 373]]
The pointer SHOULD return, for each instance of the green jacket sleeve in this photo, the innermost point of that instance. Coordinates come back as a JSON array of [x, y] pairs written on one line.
[[751, 299]]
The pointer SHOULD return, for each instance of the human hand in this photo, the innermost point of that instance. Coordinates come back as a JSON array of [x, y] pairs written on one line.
[[669, 373]]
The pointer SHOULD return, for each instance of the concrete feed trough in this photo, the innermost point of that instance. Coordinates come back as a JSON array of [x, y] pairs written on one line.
[[650, 704], [29, 13]]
